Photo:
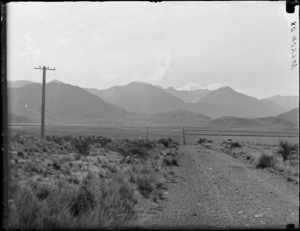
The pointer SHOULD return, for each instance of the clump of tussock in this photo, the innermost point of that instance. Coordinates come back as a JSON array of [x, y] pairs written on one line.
[[56, 165], [203, 140], [145, 184], [89, 204], [234, 144], [170, 161], [167, 142], [31, 167], [264, 161]]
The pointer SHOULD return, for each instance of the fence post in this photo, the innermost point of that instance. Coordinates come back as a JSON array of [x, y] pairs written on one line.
[[183, 136], [147, 133], [180, 139]]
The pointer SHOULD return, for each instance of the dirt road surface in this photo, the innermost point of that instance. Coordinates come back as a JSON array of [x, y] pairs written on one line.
[[216, 191]]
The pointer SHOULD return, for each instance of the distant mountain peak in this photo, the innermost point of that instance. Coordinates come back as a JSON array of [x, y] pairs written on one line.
[[139, 82], [56, 81], [226, 88], [171, 88]]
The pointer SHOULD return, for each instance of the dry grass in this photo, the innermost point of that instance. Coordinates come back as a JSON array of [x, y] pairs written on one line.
[[270, 156], [56, 186]]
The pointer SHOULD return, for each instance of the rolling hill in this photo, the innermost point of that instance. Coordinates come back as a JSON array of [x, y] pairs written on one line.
[[264, 122], [287, 102], [180, 117], [231, 121], [291, 116], [251, 106], [18, 83], [64, 103], [215, 110]]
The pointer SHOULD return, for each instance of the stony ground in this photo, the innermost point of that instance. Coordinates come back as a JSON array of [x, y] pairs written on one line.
[[216, 190]]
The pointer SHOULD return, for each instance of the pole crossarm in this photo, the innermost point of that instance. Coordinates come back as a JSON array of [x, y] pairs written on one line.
[[47, 68]]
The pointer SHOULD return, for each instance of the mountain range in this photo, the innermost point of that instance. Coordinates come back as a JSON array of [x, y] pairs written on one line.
[[146, 98], [286, 102], [142, 103], [64, 102]]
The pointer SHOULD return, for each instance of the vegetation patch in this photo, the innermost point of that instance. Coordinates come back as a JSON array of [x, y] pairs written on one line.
[[60, 189], [286, 150], [264, 161], [203, 141], [82, 144]]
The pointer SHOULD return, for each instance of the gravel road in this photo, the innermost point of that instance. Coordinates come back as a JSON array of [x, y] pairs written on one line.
[[215, 191]]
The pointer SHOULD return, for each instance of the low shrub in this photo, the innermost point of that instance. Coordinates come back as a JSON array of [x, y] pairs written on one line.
[[135, 148], [145, 184], [201, 141], [167, 142], [264, 161], [56, 165], [103, 141], [21, 154], [77, 156], [235, 144], [286, 149], [43, 191], [82, 144], [170, 161]]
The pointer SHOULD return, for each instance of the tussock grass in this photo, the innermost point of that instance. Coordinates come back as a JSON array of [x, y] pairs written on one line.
[[60, 189], [42, 206], [203, 141], [170, 161], [264, 161]]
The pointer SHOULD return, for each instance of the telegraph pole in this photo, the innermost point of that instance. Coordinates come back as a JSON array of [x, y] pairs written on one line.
[[43, 98]]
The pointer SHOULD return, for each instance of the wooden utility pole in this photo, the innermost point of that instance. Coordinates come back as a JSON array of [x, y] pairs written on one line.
[[43, 98]]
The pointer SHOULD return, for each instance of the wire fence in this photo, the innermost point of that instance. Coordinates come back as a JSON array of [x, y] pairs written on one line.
[[177, 133]]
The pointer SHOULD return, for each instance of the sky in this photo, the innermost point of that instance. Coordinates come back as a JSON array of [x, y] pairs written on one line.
[[186, 45]]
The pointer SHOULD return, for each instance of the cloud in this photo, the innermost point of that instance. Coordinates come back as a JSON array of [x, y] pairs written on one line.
[[29, 53], [195, 86], [164, 64]]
